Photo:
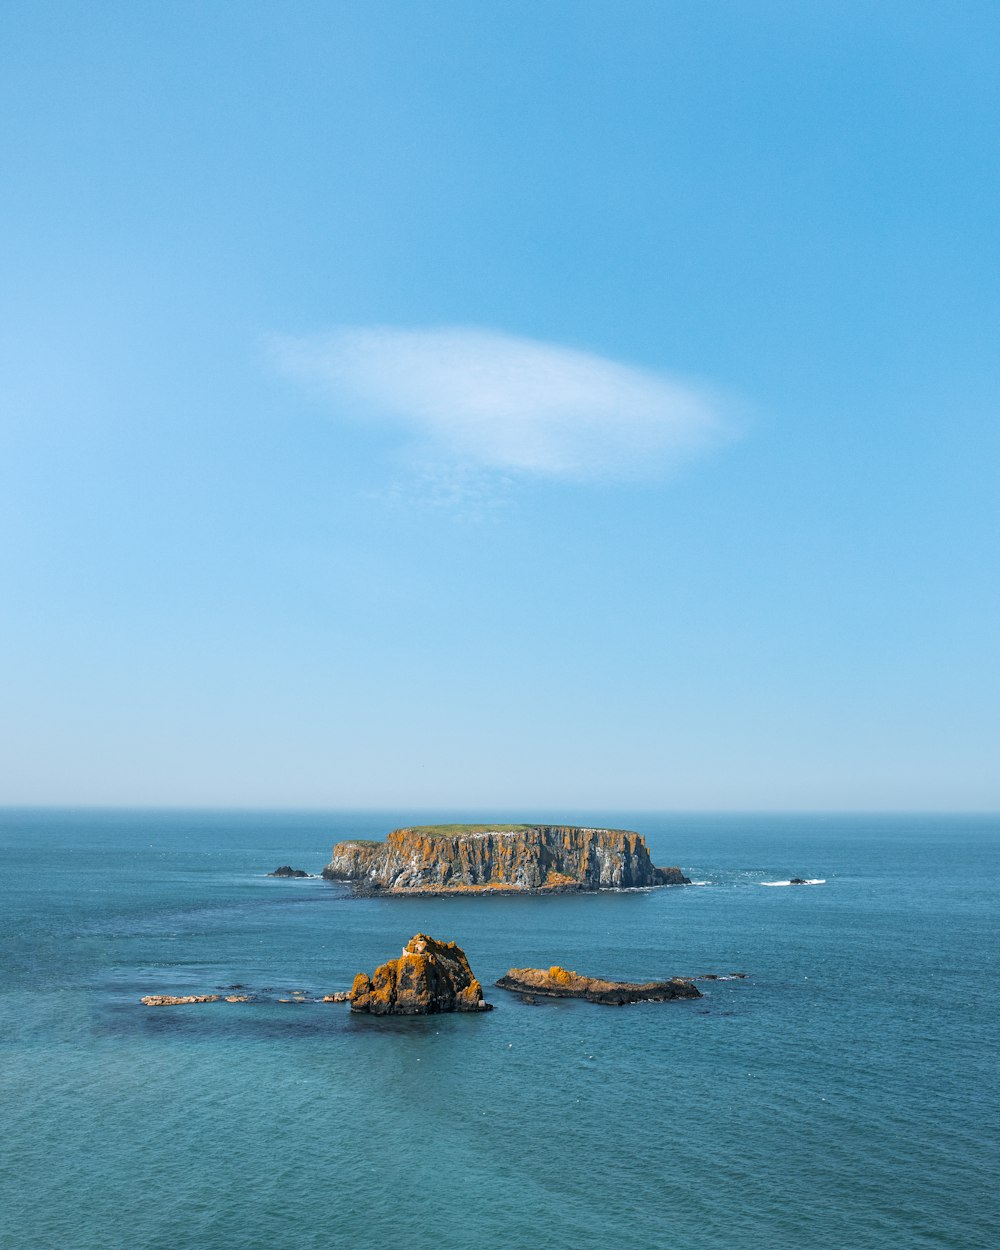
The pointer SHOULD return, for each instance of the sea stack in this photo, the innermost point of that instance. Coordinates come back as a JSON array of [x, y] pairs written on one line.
[[428, 977], [499, 859]]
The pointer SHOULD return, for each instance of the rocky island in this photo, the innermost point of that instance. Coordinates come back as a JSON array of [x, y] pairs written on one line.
[[557, 982], [498, 859], [428, 977]]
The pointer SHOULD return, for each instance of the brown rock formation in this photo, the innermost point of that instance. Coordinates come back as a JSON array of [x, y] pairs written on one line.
[[515, 859], [428, 977], [559, 982]]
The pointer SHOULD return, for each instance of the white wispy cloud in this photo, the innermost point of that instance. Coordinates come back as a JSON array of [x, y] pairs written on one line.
[[483, 398]]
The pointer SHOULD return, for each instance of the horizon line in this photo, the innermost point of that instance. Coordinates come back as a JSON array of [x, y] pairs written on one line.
[[263, 809]]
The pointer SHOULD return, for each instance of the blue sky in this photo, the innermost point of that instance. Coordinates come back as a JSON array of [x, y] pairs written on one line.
[[520, 406]]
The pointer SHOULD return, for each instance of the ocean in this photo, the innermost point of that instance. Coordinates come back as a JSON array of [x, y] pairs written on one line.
[[844, 1096]]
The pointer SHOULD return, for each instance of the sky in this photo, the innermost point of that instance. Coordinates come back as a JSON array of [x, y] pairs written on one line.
[[514, 407]]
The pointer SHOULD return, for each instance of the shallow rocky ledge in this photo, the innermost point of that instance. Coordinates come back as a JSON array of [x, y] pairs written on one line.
[[498, 859], [286, 870], [257, 998], [428, 977], [557, 982], [168, 1000]]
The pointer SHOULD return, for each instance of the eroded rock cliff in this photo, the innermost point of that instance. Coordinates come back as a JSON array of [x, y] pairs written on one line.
[[446, 859], [428, 977]]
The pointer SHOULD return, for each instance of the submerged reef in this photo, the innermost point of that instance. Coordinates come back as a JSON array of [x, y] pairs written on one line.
[[173, 1000], [499, 859]]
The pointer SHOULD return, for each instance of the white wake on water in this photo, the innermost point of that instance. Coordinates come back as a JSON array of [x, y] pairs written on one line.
[[813, 881]]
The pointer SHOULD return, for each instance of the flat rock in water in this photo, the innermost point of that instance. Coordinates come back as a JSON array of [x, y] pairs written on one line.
[[168, 1000], [557, 982]]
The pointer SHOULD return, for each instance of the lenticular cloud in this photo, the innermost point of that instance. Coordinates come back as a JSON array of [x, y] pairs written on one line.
[[500, 402]]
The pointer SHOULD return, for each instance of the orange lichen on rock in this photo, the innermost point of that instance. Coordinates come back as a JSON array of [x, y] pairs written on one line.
[[428, 977], [557, 982], [558, 880]]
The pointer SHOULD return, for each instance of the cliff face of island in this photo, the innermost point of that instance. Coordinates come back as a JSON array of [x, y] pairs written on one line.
[[428, 977], [447, 859]]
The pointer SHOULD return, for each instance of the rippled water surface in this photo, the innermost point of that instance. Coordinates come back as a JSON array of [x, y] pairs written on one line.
[[843, 1097]]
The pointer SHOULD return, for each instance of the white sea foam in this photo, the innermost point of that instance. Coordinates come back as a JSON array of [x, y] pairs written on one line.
[[813, 881]]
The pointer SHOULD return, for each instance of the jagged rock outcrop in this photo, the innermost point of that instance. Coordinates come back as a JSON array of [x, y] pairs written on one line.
[[286, 870], [448, 859], [556, 982], [428, 977], [671, 876]]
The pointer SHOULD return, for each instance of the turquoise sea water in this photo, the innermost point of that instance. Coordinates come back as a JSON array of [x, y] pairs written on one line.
[[843, 1097]]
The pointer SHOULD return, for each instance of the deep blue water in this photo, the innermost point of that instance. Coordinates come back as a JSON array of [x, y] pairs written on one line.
[[843, 1097]]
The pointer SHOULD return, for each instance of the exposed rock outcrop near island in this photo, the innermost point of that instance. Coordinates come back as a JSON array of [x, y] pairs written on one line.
[[171, 1000], [286, 870], [557, 982], [428, 977], [515, 859]]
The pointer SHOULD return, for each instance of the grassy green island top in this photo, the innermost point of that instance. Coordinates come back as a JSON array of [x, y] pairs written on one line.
[[459, 831]]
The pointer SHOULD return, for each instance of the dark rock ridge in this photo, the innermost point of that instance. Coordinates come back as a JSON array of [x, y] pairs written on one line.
[[559, 982], [513, 859], [428, 977], [287, 871]]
